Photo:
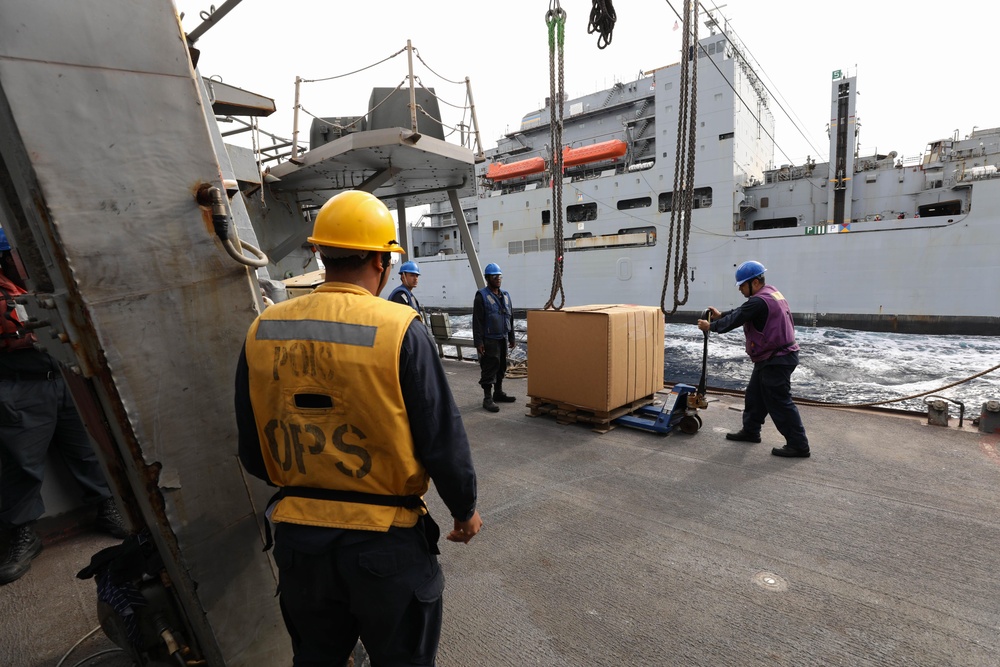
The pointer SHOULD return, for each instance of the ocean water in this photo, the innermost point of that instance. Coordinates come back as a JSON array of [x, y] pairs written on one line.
[[835, 365]]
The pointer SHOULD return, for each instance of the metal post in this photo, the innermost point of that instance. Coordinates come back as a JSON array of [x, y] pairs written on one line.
[[404, 233], [413, 94], [470, 246], [480, 155], [295, 120]]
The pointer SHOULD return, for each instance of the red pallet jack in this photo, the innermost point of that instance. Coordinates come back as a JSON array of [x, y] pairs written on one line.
[[684, 412]]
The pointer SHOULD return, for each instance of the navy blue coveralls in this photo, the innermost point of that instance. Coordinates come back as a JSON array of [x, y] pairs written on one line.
[[403, 295], [493, 328]]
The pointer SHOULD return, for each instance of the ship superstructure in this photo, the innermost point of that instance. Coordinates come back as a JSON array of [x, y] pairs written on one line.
[[864, 241]]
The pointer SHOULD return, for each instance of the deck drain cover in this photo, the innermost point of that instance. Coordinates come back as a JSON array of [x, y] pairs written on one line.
[[770, 581]]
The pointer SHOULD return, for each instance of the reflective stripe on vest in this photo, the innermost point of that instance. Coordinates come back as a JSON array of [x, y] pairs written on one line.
[[324, 385]]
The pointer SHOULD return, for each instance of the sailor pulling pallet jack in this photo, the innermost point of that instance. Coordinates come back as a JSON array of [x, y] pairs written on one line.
[[770, 344]]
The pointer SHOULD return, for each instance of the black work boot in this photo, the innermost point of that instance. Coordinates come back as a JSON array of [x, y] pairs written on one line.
[[488, 403], [109, 519], [789, 451], [24, 546], [499, 396], [743, 436]]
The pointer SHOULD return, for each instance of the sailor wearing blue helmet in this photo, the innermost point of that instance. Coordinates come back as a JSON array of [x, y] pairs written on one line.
[[409, 275], [493, 334], [770, 343]]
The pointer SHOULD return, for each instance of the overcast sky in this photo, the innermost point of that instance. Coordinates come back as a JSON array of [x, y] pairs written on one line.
[[924, 71]]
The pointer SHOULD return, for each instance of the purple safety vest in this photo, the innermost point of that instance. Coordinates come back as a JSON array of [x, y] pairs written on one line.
[[778, 337]]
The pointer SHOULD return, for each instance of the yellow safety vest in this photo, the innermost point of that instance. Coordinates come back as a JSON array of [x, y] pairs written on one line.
[[324, 385]]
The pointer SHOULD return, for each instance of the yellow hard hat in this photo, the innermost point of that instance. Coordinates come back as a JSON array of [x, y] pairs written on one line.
[[356, 220]]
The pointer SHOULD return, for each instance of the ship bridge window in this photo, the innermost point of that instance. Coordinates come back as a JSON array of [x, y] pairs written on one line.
[[774, 223], [581, 212], [638, 202], [702, 199], [953, 207], [649, 229]]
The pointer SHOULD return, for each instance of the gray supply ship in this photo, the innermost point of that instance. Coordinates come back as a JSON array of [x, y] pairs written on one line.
[[865, 241]]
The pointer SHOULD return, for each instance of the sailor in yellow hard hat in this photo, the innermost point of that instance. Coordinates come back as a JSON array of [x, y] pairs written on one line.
[[342, 403]]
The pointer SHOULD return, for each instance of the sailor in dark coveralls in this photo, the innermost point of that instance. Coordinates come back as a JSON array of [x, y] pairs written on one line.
[[409, 275], [493, 334], [770, 343]]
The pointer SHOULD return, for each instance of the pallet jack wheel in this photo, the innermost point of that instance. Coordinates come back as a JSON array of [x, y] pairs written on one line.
[[698, 419], [689, 424]]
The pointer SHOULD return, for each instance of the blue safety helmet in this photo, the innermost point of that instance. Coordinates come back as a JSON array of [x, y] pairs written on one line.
[[4, 243], [409, 267], [748, 271], [492, 270]]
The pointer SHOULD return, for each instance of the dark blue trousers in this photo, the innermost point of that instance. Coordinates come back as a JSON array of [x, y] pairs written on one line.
[[36, 415], [493, 364], [769, 392], [385, 588]]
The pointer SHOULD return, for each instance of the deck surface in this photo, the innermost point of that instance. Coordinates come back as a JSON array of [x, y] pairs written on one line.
[[628, 548]]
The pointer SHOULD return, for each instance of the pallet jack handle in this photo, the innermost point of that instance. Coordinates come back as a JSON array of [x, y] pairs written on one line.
[[706, 315]]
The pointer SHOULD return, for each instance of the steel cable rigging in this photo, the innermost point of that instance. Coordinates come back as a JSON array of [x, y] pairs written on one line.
[[555, 19], [683, 193]]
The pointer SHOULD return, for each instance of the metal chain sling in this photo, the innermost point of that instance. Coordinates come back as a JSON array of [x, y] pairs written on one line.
[[683, 195], [555, 19]]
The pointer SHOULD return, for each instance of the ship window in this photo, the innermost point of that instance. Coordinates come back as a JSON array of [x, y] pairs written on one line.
[[718, 97], [546, 244], [546, 217], [702, 198], [953, 207], [496, 225], [531, 245], [514, 248], [764, 201], [649, 230], [776, 223], [638, 202], [665, 199], [668, 85], [581, 212], [582, 235], [711, 48], [727, 135]]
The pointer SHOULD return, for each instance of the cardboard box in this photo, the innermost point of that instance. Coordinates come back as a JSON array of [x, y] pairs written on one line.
[[595, 357]]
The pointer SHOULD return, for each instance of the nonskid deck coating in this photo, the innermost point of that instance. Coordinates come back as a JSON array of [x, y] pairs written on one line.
[[629, 548]]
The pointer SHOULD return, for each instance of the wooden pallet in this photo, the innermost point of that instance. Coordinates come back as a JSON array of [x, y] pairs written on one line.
[[599, 421]]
